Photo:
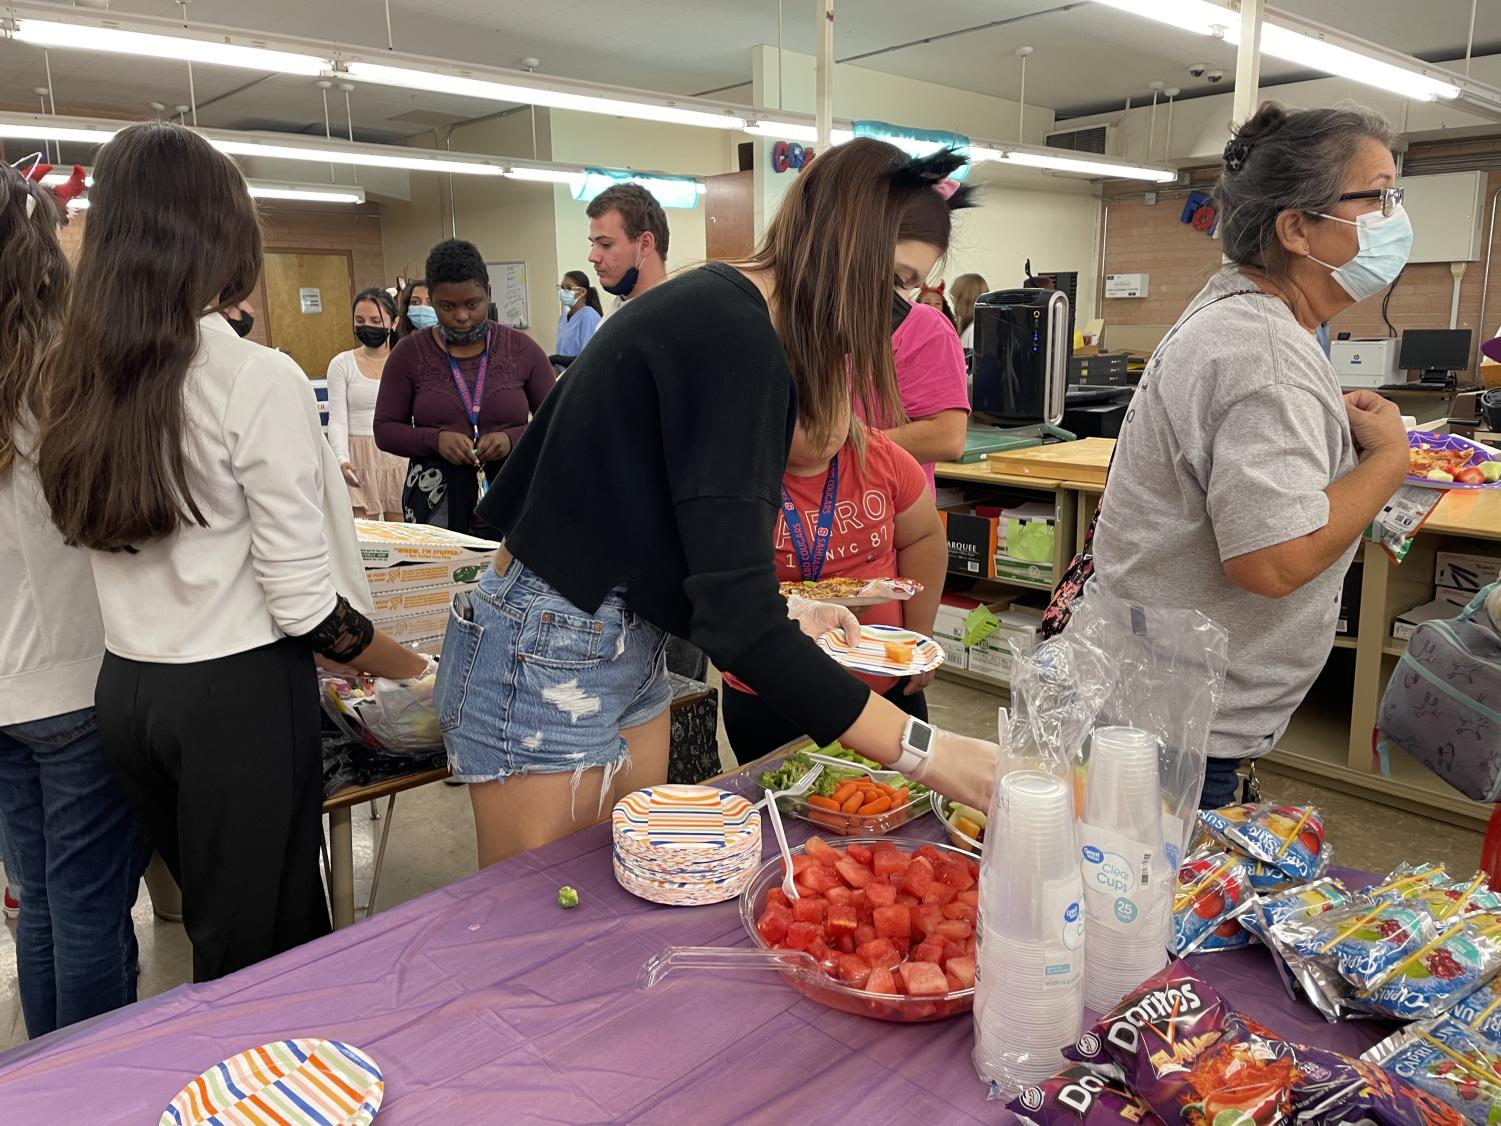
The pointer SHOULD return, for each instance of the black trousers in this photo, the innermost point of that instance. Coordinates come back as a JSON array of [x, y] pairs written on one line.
[[755, 728], [222, 763]]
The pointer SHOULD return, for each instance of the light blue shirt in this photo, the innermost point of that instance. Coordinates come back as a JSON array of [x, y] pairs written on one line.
[[574, 332]]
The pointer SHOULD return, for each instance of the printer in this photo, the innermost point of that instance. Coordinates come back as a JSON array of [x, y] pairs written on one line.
[[1365, 363]]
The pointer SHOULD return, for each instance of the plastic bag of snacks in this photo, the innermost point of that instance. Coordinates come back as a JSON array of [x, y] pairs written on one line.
[[1289, 837], [1213, 891], [1334, 1090], [391, 715], [1080, 1094], [1448, 1060]]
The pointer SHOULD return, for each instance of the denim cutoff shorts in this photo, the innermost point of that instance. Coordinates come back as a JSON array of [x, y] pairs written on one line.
[[529, 682]]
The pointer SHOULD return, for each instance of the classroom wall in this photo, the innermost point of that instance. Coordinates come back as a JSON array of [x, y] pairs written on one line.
[[508, 220], [1142, 238], [1201, 126]]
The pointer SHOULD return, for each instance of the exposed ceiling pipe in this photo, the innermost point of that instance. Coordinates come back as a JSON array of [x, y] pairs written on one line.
[[1023, 53]]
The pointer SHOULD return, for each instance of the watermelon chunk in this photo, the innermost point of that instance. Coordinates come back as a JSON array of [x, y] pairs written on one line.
[[773, 923], [880, 981], [923, 979], [856, 875], [919, 876], [809, 909], [858, 853], [953, 930], [842, 920], [801, 936], [951, 950], [820, 879], [821, 852], [907, 900], [961, 972], [879, 953], [845, 944], [864, 933], [778, 896], [961, 911], [930, 950], [929, 853], [953, 871], [941, 894], [801, 862], [880, 895], [888, 862], [892, 922], [838, 894], [972, 897], [854, 970], [925, 919]]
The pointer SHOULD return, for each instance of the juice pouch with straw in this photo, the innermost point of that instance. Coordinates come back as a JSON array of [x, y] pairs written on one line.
[[1080, 1096], [1213, 890], [1481, 1010], [1450, 1061], [1289, 837], [1299, 976], [1362, 943], [1427, 982]]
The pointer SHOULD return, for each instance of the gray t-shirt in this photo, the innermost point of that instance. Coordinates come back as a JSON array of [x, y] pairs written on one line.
[[1235, 432]]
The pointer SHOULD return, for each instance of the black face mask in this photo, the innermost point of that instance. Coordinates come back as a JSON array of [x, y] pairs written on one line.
[[627, 283], [469, 336], [372, 336], [243, 326]]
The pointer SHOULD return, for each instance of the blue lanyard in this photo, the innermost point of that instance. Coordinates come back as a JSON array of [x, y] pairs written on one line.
[[810, 557], [472, 403]]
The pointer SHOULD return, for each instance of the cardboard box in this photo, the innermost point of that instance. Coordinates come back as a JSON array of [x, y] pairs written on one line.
[[414, 627], [948, 628], [994, 656], [390, 604], [972, 541], [418, 555], [1446, 603], [1461, 571]]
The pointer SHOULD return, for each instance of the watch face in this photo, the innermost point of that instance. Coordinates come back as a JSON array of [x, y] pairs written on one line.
[[920, 737]]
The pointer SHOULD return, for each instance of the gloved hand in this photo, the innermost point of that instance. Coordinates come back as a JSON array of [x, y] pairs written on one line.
[[817, 618], [960, 768]]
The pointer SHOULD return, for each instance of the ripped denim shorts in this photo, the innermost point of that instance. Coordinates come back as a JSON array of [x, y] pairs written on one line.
[[529, 682]]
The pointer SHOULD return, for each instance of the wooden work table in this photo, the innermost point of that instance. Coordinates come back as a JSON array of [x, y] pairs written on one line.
[[1329, 738]]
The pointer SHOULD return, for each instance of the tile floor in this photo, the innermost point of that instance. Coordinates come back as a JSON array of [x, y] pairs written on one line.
[[432, 843]]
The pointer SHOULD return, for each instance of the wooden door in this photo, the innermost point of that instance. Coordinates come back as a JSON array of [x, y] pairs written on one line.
[[729, 216], [307, 306]]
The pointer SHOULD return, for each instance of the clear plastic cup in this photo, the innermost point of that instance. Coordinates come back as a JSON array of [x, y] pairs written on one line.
[[1123, 791], [1029, 897]]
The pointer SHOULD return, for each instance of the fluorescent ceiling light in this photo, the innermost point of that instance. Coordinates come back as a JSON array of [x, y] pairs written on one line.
[[39, 129], [307, 193], [1062, 162], [541, 94], [794, 131], [546, 175], [1205, 18], [354, 156], [89, 37]]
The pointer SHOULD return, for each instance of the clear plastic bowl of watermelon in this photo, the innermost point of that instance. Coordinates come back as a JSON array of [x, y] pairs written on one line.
[[1452, 443], [871, 981]]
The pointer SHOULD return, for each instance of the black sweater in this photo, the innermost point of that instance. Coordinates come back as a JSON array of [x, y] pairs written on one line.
[[656, 465]]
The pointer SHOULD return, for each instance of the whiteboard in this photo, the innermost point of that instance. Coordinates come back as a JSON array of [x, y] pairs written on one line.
[[508, 290]]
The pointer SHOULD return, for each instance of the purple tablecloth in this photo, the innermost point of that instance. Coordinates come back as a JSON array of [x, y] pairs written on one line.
[[486, 1002]]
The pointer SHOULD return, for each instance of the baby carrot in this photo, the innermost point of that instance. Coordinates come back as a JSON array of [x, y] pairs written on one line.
[[880, 805], [818, 801], [843, 791], [899, 798], [853, 803]]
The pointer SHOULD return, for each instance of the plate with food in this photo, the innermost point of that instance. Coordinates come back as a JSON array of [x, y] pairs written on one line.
[[854, 592], [965, 824], [1447, 461], [884, 651], [831, 803]]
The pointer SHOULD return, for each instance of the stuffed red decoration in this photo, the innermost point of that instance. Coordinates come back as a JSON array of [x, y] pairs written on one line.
[[65, 193]]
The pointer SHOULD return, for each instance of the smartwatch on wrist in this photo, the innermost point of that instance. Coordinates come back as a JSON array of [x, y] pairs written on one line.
[[917, 744]]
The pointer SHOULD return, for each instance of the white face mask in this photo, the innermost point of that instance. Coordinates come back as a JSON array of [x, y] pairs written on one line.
[[1385, 243]]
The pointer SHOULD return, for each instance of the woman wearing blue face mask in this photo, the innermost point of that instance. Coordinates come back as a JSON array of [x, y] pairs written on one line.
[[414, 309], [1243, 478], [581, 313]]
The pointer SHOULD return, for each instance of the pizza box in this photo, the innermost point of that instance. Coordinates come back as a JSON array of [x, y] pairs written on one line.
[[418, 555], [390, 604], [415, 627]]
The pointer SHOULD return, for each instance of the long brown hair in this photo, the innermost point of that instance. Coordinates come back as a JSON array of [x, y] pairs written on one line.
[[33, 289], [831, 248], [967, 289], [172, 234]]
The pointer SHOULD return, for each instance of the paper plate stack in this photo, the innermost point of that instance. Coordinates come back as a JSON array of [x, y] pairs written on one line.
[[303, 1082], [685, 845]]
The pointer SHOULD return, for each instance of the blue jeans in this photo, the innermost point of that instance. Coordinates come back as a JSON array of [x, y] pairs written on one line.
[[1221, 783], [76, 859]]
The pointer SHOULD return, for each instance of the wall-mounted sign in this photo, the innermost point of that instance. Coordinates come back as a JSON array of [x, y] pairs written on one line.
[[789, 156], [312, 301], [1125, 285]]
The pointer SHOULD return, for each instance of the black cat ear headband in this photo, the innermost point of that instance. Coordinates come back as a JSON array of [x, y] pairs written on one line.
[[933, 171]]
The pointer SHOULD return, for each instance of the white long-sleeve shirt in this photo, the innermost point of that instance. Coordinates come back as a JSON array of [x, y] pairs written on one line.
[[260, 570], [351, 403], [51, 638]]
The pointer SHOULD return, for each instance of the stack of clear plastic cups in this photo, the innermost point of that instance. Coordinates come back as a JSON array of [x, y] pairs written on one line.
[[1029, 962], [1128, 882]]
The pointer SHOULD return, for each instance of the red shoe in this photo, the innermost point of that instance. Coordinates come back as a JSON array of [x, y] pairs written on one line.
[[10, 906]]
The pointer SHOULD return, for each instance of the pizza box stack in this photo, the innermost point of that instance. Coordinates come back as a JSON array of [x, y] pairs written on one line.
[[414, 570]]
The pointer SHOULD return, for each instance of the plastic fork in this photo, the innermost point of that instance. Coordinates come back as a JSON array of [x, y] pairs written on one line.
[[803, 785], [670, 958], [889, 777]]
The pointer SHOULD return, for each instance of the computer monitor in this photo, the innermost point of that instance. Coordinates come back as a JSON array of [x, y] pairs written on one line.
[[1437, 352]]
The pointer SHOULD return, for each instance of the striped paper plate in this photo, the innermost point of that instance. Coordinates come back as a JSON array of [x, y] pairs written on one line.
[[299, 1082], [872, 656], [686, 817]]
